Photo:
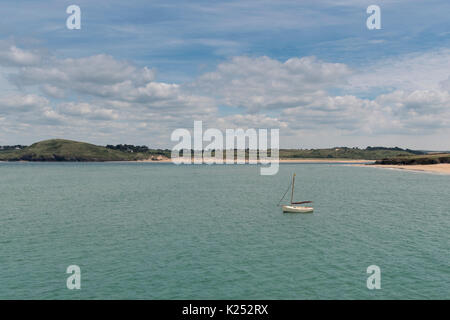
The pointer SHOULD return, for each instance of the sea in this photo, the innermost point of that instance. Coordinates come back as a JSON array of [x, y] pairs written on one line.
[[162, 231]]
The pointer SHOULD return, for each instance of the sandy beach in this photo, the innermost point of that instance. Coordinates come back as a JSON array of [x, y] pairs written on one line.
[[433, 168], [283, 161], [331, 160]]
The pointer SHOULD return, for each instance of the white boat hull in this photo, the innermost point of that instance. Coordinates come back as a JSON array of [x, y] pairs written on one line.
[[297, 209]]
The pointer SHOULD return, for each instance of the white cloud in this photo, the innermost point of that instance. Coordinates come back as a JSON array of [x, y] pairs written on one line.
[[88, 111], [52, 91], [19, 103], [116, 99], [265, 83], [425, 70], [398, 112], [445, 84], [99, 75], [106, 79], [419, 110], [246, 121], [10, 55]]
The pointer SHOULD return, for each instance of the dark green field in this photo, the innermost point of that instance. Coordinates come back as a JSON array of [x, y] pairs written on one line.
[[416, 160], [346, 153]]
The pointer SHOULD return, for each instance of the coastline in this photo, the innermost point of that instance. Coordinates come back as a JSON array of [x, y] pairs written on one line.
[[328, 160], [442, 168], [305, 160], [355, 162]]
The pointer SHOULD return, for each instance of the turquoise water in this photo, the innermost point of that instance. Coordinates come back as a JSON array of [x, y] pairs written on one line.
[[160, 231]]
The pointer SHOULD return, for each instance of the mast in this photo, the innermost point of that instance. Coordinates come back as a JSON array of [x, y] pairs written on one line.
[[292, 192]]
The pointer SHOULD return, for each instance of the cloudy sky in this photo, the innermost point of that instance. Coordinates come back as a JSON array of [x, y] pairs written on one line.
[[137, 70]]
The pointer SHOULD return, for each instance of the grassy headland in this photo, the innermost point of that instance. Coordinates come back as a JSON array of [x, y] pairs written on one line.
[[68, 150]]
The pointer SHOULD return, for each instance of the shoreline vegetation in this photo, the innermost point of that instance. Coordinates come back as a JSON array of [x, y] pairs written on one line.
[[58, 150], [427, 159], [431, 163]]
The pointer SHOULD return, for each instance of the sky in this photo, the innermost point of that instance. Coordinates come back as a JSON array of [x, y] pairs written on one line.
[[137, 70]]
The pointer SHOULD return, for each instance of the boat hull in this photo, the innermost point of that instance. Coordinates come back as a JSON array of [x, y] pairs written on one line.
[[297, 209]]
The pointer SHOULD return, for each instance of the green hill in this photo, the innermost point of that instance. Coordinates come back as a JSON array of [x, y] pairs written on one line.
[[67, 150], [416, 160]]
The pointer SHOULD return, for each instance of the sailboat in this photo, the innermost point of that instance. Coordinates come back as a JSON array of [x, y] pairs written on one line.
[[295, 207]]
